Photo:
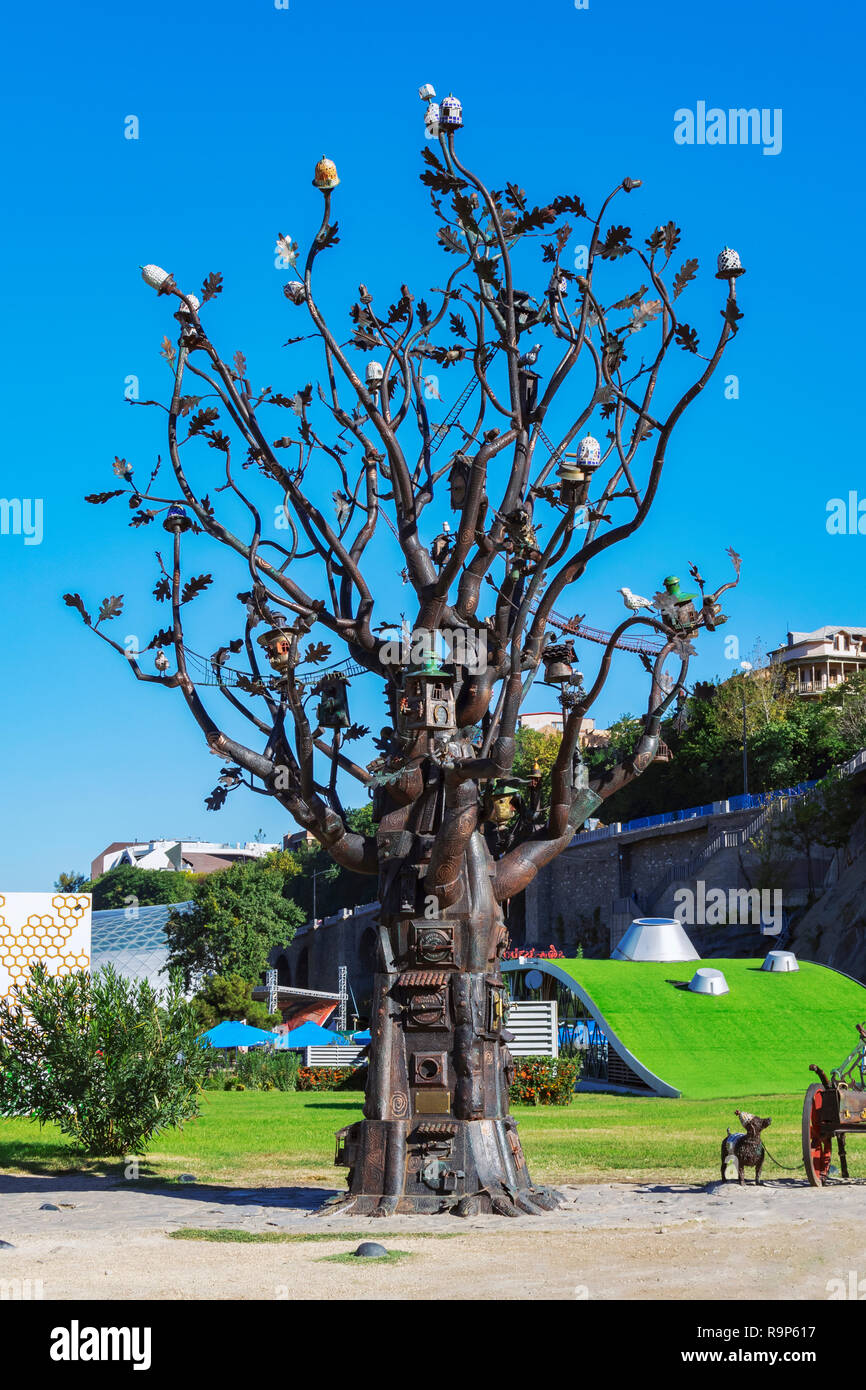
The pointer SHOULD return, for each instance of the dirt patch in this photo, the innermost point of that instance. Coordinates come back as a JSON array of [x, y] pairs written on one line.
[[608, 1240]]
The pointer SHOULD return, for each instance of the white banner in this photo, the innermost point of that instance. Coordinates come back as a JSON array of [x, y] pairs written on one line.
[[49, 927]]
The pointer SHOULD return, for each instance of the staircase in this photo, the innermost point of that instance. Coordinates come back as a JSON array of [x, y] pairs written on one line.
[[689, 869]]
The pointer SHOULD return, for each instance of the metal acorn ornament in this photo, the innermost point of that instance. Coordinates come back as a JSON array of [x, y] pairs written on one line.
[[154, 275], [729, 264], [325, 176], [375, 374], [176, 520]]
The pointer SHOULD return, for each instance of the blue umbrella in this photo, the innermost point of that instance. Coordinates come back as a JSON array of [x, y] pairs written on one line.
[[309, 1034], [231, 1033]]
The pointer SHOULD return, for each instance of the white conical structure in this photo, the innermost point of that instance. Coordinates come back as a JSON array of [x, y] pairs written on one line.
[[655, 938], [708, 981], [780, 960]]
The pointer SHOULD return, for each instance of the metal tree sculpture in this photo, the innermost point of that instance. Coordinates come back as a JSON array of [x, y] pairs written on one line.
[[437, 1133]]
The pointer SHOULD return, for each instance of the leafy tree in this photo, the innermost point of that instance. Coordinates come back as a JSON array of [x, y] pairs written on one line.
[[336, 886], [230, 997], [239, 914], [111, 1061], [789, 740], [767, 692], [71, 882], [850, 700], [127, 885], [825, 818], [536, 746]]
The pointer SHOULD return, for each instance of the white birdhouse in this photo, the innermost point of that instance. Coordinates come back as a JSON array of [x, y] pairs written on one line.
[[154, 276], [431, 119], [729, 264], [375, 374], [427, 93], [451, 113], [589, 452]]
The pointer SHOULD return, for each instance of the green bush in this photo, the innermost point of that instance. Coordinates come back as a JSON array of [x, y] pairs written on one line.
[[268, 1071], [258, 1070], [544, 1080], [111, 1061]]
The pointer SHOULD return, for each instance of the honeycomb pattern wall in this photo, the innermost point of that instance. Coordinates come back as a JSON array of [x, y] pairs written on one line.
[[50, 927]]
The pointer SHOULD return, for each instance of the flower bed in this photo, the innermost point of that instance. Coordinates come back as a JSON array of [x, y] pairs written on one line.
[[332, 1078], [544, 1080]]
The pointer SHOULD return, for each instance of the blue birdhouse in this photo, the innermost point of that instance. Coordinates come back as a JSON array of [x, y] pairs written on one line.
[[451, 114], [176, 520]]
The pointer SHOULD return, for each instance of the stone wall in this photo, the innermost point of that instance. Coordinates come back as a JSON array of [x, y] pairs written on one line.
[[586, 897], [574, 898], [312, 959]]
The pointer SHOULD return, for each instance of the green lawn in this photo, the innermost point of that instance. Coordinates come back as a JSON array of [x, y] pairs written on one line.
[[277, 1139], [758, 1040]]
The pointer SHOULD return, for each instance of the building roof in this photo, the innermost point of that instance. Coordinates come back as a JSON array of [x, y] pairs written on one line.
[[208, 863], [820, 634], [132, 939]]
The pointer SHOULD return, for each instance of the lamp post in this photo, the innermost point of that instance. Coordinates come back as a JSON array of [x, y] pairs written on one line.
[[745, 667], [317, 873]]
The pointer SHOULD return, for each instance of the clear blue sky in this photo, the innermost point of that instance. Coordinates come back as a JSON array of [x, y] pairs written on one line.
[[235, 104]]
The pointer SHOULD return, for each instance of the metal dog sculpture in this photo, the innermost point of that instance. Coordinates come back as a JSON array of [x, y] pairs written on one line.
[[741, 1151]]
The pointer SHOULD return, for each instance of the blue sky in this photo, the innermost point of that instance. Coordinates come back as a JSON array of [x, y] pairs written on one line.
[[235, 103]]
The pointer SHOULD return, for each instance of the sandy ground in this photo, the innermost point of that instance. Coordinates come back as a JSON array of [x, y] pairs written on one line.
[[111, 1241]]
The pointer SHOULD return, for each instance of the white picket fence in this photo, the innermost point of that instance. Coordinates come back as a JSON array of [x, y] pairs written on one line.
[[333, 1055], [534, 1024]]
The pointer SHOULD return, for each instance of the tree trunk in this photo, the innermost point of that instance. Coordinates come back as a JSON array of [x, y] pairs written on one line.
[[437, 1135]]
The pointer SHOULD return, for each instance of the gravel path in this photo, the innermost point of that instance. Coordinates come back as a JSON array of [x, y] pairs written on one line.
[[109, 1239]]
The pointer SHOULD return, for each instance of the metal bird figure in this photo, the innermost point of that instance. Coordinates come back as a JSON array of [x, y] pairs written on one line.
[[431, 386], [529, 359], [634, 601], [161, 662]]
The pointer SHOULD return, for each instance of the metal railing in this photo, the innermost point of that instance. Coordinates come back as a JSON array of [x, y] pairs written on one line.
[[776, 804]]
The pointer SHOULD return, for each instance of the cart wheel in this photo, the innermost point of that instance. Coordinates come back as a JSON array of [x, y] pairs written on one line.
[[817, 1148]]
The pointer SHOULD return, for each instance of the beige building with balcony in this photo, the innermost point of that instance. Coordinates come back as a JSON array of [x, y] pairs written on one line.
[[550, 722], [822, 659]]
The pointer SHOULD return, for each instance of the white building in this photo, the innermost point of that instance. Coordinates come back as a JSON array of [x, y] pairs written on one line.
[[194, 856], [822, 659]]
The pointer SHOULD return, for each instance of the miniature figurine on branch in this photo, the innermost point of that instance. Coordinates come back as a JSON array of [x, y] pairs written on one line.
[[353, 478]]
